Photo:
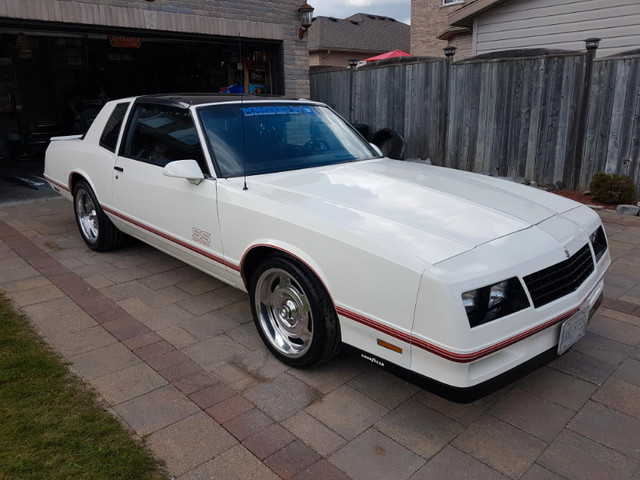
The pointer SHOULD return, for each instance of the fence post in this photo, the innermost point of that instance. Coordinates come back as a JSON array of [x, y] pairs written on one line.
[[352, 68], [592, 45], [449, 53]]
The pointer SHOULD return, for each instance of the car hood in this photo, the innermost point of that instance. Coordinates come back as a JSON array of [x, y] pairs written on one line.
[[428, 211]]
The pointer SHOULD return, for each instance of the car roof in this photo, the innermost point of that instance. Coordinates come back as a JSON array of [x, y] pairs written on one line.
[[186, 100]]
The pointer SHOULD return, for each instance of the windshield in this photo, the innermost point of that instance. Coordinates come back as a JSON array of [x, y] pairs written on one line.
[[278, 137]]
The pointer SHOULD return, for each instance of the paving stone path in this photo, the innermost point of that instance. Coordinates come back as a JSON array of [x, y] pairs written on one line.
[[175, 356]]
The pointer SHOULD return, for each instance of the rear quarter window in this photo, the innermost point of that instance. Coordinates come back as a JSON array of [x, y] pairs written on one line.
[[111, 132]]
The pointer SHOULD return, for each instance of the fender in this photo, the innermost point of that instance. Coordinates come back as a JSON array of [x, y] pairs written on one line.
[[59, 187], [86, 178], [296, 253]]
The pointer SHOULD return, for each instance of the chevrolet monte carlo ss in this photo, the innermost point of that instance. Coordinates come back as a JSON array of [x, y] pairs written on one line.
[[454, 276]]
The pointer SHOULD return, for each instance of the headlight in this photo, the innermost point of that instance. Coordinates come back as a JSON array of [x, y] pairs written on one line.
[[494, 301], [599, 243], [498, 293], [470, 300]]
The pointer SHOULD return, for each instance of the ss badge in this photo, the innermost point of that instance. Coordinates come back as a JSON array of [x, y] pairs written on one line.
[[201, 236]]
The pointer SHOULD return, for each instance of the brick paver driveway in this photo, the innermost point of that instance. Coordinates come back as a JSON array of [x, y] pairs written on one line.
[[175, 355]]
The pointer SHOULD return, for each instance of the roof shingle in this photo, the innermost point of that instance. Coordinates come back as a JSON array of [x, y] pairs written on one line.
[[361, 31]]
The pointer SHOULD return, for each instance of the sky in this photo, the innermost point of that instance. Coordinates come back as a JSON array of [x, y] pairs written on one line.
[[398, 9]]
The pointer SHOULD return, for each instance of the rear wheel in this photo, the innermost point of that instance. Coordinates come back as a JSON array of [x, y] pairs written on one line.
[[97, 231], [293, 313]]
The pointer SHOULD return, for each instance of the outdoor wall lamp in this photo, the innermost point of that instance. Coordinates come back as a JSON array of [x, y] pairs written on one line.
[[449, 51], [306, 17], [592, 43]]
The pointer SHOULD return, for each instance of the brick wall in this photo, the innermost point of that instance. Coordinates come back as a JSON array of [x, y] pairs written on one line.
[[273, 20], [428, 20]]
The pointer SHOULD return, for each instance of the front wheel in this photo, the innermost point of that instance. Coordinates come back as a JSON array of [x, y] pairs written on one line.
[[95, 227], [293, 313]]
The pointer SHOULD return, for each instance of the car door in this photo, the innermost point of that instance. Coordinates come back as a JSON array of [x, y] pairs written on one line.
[[173, 214]]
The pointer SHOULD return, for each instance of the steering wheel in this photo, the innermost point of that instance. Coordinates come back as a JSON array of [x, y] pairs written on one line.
[[315, 144]]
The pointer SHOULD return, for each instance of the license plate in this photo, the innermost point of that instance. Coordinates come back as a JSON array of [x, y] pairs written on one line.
[[573, 330]]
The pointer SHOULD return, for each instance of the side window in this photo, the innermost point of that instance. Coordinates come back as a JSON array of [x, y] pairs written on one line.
[[109, 138], [159, 135]]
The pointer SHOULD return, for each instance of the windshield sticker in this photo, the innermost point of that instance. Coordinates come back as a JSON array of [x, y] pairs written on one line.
[[276, 110]]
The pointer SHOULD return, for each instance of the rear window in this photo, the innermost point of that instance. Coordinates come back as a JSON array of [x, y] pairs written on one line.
[[109, 138]]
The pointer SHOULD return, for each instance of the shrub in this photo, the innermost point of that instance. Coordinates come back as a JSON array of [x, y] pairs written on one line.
[[610, 188]]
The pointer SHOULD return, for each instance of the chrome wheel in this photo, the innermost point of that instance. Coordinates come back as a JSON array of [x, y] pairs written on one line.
[[96, 229], [284, 312], [87, 216]]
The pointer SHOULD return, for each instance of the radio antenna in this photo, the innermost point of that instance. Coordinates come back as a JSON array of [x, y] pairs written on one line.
[[244, 145]]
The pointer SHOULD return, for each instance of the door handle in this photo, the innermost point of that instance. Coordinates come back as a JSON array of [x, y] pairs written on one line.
[[118, 169]]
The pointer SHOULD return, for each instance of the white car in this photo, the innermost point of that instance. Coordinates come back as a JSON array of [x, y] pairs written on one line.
[[455, 276]]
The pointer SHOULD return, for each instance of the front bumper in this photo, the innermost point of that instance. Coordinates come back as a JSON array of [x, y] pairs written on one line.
[[473, 392], [471, 368]]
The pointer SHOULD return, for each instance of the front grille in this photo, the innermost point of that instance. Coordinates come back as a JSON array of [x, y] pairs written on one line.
[[560, 279]]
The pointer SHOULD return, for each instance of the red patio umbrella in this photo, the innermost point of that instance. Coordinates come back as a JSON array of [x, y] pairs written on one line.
[[391, 54]]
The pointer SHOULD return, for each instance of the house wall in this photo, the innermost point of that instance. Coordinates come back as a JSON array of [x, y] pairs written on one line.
[[428, 20], [272, 20], [559, 24]]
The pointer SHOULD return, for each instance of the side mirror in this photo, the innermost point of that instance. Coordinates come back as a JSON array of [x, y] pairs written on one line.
[[187, 169]]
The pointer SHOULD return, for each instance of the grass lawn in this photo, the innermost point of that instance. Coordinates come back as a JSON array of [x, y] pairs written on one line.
[[50, 425]]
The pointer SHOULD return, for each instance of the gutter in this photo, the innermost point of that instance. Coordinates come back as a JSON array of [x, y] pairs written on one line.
[[463, 17]]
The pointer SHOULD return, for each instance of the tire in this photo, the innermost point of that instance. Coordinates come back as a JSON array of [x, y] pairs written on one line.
[[363, 129], [390, 142], [97, 231], [293, 313]]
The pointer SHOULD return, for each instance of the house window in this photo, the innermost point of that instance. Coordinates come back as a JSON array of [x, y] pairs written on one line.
[[451, 2]]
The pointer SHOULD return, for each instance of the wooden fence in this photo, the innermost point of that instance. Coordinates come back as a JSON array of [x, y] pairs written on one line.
[[518, 117]]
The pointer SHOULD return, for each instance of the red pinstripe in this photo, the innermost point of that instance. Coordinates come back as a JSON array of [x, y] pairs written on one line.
[[172, 239], [449, 355], [56, 183]]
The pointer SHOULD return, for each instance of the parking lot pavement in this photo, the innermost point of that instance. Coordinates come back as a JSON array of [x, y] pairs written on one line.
[[175, 355]]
